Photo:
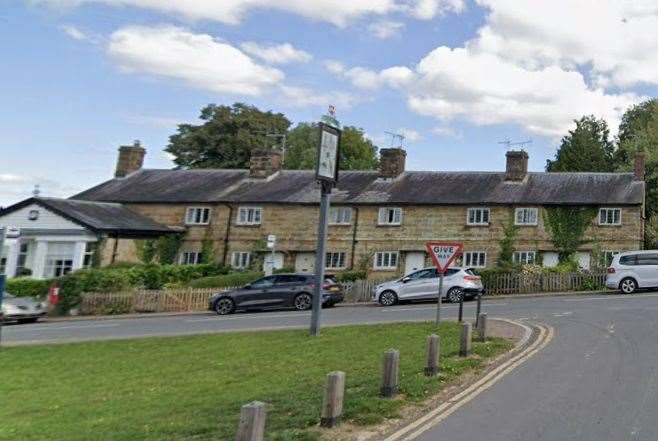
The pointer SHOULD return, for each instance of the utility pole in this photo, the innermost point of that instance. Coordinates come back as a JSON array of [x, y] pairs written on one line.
[[2, 281]]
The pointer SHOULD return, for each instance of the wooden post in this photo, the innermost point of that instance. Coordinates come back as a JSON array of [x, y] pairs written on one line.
[[482, 326], [332, 405], [465, 341], [252, 422], [390, 369], [432, 366]]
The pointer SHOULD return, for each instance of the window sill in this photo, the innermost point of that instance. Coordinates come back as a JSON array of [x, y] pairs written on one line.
[[389, 225], [197, 225], [385, 269], [610, 225], [478, 225], [340, 225], [249, 225]]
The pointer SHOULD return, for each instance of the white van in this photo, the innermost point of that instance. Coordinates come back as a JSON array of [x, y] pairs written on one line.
[[632, 270]]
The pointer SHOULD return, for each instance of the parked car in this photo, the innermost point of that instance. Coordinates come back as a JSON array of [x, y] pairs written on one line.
[[21, 309], [277, 291], [633, 270], [458, 283]]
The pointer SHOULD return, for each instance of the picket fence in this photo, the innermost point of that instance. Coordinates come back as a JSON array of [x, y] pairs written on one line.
[[359, 291]]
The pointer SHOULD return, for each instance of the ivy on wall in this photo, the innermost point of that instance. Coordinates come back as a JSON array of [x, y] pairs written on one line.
[[505, 258], [567, 226], [146, 250], [167, 248]]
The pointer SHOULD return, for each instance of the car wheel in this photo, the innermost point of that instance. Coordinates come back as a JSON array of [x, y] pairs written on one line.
[[455, 295], [628, 285], [388, 298], [28, 320], [224, 306], [303, 302]]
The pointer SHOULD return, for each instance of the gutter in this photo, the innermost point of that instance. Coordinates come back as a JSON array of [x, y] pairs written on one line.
[[228, 232], [354, 230]]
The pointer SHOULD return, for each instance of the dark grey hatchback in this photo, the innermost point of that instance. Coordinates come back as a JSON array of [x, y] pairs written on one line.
[[277, 291]]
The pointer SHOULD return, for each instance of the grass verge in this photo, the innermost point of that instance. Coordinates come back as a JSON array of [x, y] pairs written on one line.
[[191, 388]]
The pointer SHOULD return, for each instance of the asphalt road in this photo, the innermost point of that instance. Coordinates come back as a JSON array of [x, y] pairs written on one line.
[[597, 379]]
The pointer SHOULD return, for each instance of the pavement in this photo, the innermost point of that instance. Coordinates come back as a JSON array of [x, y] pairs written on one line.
[[596, 380]]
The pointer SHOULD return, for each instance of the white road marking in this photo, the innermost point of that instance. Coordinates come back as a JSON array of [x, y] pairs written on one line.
[[433, 308]]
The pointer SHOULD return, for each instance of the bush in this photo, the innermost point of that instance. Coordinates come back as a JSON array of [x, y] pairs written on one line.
[[350, 276], [226, 281], [28, 287], [285, 269]]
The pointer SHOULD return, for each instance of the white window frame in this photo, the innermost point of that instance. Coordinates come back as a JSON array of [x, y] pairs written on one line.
[[255, 212], [240, 259], [387, 257], [475, 211], [197, 216], [340, 216], [390, 216], [190, 258], [608, 210], [88, 256], [335, 260], [470, 256], [526, 211], [523, 257]]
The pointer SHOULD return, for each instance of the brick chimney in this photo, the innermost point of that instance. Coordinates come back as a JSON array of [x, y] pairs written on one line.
[[391, 162], [264, 163], [517, 165], [131, 159], [639, 169]]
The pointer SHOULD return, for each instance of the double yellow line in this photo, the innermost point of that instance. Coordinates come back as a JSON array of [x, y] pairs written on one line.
[[435, 416]]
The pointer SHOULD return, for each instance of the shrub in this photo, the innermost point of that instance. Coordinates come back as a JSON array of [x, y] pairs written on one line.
[[285, 269], [226, 281], [350, 276], [28, 287]]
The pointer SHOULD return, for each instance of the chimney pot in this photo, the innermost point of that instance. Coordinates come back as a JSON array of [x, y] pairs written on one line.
[[391, 162], [517, 165], [131, 159], [264, 163], [640, 161]]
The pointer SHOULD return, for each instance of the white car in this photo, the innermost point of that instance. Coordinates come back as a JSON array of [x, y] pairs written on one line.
[[21, 309], [632, 270], [458, 283]]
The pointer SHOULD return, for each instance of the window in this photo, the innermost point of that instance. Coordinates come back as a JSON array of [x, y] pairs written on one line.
[[289, 278], [477, 216], [335, 260], [33, 215], [386, 260], [240, 259], [22, 259], [627, 260], [249, 215], [524, 257], [606, 257], [265, 282], [390, 216], [191, 258], [197, 216], [340, 215], [647, 259], [610, 216], [429, 273], [90, 250], [475, 259], [525, 216]]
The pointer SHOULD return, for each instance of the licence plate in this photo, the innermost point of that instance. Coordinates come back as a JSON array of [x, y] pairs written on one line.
[[334, 288]]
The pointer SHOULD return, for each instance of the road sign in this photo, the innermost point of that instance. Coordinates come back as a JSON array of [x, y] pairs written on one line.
[[444, 253], [328, 154]]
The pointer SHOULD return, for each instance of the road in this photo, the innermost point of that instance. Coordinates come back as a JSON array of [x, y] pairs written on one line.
[[597, 379]]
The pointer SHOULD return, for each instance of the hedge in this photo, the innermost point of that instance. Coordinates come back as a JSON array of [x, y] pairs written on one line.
[[226, 281], [23, 287]]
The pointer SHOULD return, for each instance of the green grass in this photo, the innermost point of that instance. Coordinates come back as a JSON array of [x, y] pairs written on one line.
[[191, 388]]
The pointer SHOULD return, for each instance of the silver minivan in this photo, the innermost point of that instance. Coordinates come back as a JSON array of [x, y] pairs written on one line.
[[632, 270], [458, 283]]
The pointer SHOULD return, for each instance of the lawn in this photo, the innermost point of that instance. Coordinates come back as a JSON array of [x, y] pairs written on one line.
[[191, 388]]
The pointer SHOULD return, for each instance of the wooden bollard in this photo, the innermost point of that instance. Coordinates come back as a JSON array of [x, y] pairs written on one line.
[[432, 366], [332, 405], [252, 422], [465, 340], [482, 327], [390, 369]]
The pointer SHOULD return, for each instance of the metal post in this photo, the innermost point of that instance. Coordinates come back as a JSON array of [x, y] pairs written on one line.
[[438, 303], [461, 308], [477, 312], [320, 258], [2, 281]]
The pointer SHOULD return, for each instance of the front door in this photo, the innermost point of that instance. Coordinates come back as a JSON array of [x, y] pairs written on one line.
[[414, 261], [305, 263], [269, 265]]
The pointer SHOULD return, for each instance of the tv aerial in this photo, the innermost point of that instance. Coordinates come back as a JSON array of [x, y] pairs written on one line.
[[522, 144], [396, 137]]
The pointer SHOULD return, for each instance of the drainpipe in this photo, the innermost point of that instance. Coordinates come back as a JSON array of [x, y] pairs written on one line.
[[356, 223], [228, 233], [115, 248]]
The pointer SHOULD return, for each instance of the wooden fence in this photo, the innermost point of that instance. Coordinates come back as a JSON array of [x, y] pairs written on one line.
[[359, 291]]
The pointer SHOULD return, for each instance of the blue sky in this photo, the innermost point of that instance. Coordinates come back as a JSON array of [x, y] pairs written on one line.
[[81, 77]]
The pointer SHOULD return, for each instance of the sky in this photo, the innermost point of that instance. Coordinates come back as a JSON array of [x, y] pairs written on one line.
[[79, 78]]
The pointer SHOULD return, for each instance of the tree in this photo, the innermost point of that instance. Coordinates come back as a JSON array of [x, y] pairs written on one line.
[[636, 119], [226, 137], [356, 151], [587, 148]]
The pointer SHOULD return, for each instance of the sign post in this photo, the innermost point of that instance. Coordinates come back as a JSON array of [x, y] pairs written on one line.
[[326, 173], [271, 243], [442, 254], [2, 281]]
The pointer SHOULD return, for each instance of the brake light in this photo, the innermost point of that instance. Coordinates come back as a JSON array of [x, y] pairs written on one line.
[[471, 278], [611, 270]]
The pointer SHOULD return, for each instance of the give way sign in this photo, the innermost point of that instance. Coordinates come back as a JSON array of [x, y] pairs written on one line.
[[444, 253]]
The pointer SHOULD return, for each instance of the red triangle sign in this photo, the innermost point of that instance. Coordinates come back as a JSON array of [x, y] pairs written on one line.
[[444, 253]]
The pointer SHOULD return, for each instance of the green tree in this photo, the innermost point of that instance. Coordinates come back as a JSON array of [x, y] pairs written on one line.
[[636, 119], [356, 151], [587, 148], [226, 136]]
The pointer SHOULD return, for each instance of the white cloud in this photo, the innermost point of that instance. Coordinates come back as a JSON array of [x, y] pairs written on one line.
[[369, 79], [448, 131], [334, 66], [410, 135], [74, 32], [276, 54], [428, 9], [384, 29], [303, 97], [198, 59]]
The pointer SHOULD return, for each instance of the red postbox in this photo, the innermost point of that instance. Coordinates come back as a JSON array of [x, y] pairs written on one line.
[[53, 295]]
